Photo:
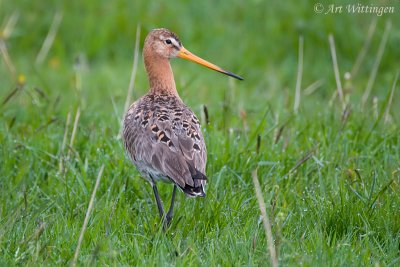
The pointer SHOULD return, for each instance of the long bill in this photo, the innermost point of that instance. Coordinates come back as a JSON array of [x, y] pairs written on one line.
[[185, 54]]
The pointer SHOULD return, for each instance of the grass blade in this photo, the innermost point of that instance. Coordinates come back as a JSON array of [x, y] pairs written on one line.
[[336, 70], [265, 219], [133, 74], [48, 42], [85, 222], [364, 49], [377, 62], [74, 130], [299, 75], [389, 103]]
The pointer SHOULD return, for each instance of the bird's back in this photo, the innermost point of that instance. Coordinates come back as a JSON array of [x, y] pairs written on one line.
[[163, 139]]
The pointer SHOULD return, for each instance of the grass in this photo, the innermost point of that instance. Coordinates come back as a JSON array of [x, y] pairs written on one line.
[[329, 176]]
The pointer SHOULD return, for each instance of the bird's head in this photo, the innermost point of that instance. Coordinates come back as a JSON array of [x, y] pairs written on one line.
[[163, 43], [166, 44]]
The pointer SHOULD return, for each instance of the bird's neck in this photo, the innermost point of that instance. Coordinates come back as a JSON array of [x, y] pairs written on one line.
[[161, 77]]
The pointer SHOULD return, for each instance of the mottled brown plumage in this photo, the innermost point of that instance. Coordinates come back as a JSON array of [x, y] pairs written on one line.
[[163, 139], [162, 136]]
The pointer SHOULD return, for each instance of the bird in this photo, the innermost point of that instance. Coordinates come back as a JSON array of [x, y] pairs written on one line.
[[162, 136]]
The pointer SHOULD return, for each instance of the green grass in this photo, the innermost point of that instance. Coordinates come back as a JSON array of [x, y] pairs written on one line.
[[340, 207]]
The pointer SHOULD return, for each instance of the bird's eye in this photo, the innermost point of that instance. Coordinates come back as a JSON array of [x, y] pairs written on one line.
[[168, 41]]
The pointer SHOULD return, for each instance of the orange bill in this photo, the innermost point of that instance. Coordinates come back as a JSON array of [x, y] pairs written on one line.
[[185, 54]]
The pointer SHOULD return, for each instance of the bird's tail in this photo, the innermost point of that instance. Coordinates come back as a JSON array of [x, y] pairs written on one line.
[[199, 180]]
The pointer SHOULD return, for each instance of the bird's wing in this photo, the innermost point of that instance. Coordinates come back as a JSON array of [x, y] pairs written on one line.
[[168, 142]]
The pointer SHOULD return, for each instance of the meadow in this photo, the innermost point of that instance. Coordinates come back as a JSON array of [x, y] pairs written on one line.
[[315, 121]]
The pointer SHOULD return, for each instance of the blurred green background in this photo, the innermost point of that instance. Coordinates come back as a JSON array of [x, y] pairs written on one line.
[[258, 39]]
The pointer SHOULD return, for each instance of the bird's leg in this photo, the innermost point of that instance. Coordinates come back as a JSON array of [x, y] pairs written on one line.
[[170, 213], [159, 202]]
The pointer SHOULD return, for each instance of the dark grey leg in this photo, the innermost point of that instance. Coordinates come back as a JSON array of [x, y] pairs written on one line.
[[170, 213], [159, 202]]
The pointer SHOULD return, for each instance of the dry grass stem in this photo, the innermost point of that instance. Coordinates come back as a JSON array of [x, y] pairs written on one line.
[[258, 144], [11, 22], [64, 142], [48, 41], [313, 87], [364, 49], [377, 62], [303, 159], [74, 129], [336, 69], [85, 222], [7, 59], [206, 118], [265, 219], [134, 70], [278, 135], [375, 107], [11, 95], [345, 115], [299, 75], [389, 104], [4, 35], [35, 236]]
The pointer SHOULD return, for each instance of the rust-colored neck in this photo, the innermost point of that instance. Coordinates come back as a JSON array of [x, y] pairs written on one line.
[[159, 71]]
